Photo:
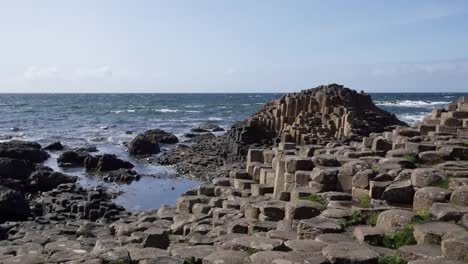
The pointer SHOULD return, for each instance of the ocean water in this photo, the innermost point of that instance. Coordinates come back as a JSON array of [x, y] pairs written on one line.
[[108, 120]]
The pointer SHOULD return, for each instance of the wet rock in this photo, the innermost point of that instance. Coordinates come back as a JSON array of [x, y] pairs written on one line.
[[15, 168], [45, 180], [106, 162], [207, 127], [25, 150], [54, 146], [72, 158], [13, 205]]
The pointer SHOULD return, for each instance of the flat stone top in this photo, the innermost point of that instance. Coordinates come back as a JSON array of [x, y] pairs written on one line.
[[349, 252], [439, 228]]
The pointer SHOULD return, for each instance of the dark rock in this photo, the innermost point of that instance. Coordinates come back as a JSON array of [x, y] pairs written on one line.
[[13, 205], [45, 180], [207, 127], [141, 145], [72, 158], [23, 150], [106, 162], [15, 168], [54, 146]]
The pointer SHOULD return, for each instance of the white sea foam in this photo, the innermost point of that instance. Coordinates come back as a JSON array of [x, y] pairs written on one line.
[[194, 106], [409, 103], [166, 110], [412, 118], [215, 118], [193, 111]]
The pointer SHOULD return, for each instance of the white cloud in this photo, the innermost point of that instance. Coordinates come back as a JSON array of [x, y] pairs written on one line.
[[34, 73], [94, 73]]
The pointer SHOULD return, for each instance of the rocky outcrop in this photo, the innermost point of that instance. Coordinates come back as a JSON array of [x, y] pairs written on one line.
[[30, 151], [148, 142], [313, 116]]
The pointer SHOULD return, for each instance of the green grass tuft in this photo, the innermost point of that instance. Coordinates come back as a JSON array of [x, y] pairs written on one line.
[[365, 200], [315, 198], [373, 218], [375, 169], [354, 219], [391, 259], [399, 238], [412, 158], [465, 142], [422, 216], [444, 184]]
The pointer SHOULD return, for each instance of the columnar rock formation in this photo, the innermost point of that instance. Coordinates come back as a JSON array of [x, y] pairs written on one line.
[[313, 116]]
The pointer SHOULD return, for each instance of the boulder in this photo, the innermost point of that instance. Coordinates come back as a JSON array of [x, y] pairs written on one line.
[[455, 246], [207, 127], [106, 162], [46, 180], [425, 197], [156, 237], [25, 150], [399, 192], [72, 158], [460, 196], [141, 146], [13, 205], [302, 209], [54, 146], [391, 220], [15, 168], [424, 177]]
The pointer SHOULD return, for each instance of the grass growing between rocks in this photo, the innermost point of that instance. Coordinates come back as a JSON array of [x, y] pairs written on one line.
[[354, 219], [375, 169], [373, 218], [315, 198], [411, 158], [444, 184], [391, 259], [405, 235], [465, 143], [364, 200], [399, 238]]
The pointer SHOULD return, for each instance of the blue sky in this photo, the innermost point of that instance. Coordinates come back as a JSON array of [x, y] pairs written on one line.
[[232, 46]]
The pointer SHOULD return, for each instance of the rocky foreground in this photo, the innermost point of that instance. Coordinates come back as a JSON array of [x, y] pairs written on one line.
[[321, 176]]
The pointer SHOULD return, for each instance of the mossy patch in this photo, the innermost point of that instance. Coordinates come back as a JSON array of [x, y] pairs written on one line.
[[444, 184], [373, 218], [411, 158], [391, 259], [405, 235], [399, 238], [354, 219], [315, 198], [364, 200]]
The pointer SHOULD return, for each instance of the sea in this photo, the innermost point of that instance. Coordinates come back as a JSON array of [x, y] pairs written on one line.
[[107, 121]]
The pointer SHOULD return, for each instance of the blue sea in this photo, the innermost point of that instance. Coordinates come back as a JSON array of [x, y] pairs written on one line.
[[108, 120]]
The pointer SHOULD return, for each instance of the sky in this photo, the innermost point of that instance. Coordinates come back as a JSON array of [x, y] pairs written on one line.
[[232, 45]]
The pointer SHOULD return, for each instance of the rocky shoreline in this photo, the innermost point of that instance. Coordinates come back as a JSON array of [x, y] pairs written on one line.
[[319, 176]]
